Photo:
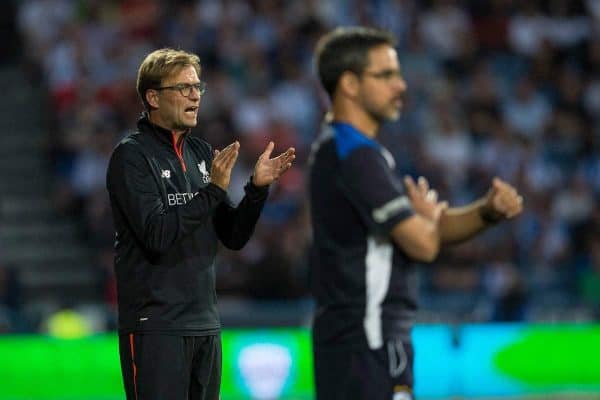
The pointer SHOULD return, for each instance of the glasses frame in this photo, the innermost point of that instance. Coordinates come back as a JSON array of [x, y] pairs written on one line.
[[186, 87], [386, 75]]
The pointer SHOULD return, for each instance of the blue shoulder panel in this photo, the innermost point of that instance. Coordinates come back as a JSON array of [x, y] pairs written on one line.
[[348, 138]]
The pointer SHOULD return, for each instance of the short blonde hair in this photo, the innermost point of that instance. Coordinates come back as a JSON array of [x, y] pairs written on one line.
[[160, 64]]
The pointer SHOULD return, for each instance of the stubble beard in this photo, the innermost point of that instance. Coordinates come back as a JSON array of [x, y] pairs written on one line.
[[185, 125], [384, 114]]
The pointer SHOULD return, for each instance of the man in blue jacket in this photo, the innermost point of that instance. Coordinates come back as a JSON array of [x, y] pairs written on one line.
[[369, 226]]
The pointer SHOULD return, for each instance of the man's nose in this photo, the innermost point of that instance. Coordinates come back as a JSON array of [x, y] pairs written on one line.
[[402, 86], [194, 94]]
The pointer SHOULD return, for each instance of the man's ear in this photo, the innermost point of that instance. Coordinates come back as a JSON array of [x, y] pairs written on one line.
[[152, 98], [349, 84]]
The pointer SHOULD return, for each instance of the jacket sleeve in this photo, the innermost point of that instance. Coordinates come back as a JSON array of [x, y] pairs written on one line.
[[135, 193], [235, 225]]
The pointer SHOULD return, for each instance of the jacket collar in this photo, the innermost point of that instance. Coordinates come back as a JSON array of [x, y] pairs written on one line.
[[164, 135]]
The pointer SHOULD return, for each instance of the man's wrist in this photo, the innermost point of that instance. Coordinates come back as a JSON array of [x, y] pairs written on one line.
[[489, 215], [216, 189], [256, 192]]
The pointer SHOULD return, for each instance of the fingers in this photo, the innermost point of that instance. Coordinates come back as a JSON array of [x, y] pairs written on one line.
[[219, 154], [231, 157], [227, 157], [287, 155], [439, 210], [411, 186], [227, 151], [281, 169], [511, 205], [431, 196], [284, 168], [423, 185], [421, 189], [290, 154], [506, 200], [283, 162], [223, 163], [268, 169], [286, 158], [499, 184], [424, 200]]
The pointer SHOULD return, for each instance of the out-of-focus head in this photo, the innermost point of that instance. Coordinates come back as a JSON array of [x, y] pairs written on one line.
[[360, 71], [347, 49]]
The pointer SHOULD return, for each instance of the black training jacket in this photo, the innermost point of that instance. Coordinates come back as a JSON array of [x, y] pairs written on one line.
[[168, 219]]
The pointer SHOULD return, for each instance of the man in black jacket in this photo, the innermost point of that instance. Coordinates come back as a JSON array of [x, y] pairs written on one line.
[[168, 192]]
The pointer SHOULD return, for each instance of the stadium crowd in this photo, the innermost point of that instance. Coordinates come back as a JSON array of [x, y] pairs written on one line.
[[496, 87]]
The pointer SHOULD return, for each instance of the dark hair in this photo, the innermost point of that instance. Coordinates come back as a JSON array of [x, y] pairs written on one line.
[[160, 64], [346, 49]]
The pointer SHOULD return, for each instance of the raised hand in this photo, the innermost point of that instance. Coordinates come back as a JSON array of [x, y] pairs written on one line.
[[223, 162], [501, 202], [268, 169], [424, 200]]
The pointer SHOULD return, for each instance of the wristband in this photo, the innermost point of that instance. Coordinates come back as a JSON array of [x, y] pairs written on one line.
[[490, 216]]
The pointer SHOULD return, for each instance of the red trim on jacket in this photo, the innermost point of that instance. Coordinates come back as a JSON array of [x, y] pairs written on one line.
[[132, 347], [178, 147]]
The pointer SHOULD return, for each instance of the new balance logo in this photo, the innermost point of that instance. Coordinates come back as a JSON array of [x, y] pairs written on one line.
[[204, 172], [165, 173]]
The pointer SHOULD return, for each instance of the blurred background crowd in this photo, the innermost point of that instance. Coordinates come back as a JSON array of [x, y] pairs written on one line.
[[495, 88]]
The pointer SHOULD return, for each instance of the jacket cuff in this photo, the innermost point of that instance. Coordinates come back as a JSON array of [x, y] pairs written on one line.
[[216, 190], [256, 193]]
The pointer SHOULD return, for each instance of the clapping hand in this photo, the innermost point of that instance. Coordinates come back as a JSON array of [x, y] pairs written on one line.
[[268, 169], [222, 164], [424, 200]]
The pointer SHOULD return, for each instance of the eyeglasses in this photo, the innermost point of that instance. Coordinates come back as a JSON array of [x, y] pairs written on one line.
[[386, 75], [186, 88]]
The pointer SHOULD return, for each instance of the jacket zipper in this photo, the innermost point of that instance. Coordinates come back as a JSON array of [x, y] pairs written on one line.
[[179, 151]]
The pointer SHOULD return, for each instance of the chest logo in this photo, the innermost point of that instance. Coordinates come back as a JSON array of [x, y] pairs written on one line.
[[165, 173], [204, 172]]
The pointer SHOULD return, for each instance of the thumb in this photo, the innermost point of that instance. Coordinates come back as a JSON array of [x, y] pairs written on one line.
[[496, 186], [497, 183], [267, 153], [439, 209]]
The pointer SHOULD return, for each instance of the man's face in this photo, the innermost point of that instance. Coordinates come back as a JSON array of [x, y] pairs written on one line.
[[176, 112], [382, 84]]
